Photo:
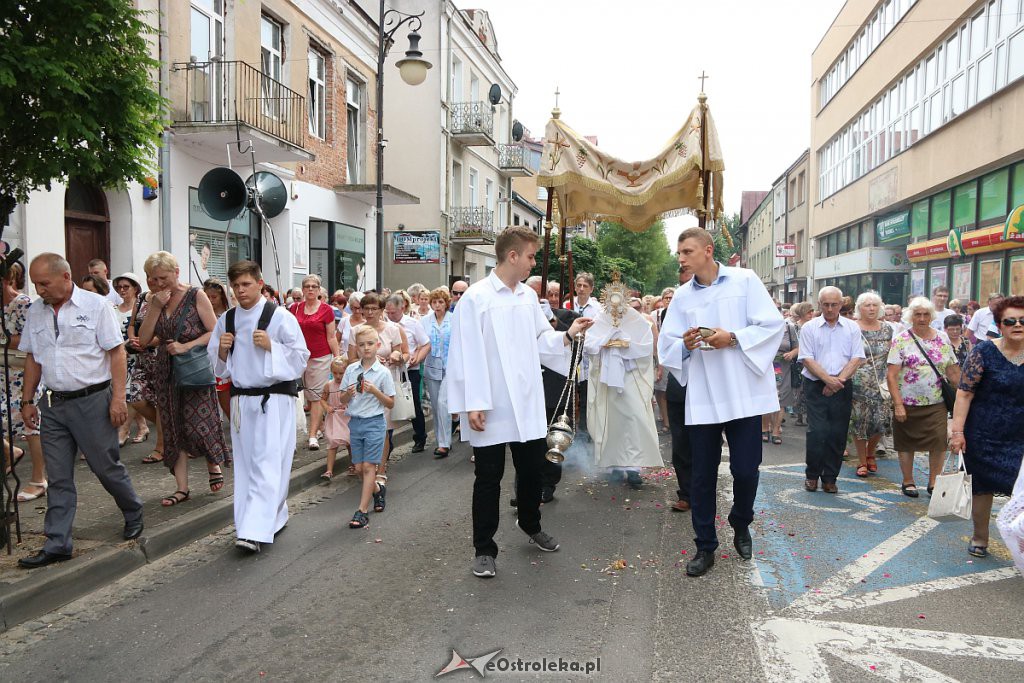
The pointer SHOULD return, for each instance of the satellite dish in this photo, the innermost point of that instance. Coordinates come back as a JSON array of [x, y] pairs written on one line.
[[267, 189], [494, 94], [222, 194], [517, 131]]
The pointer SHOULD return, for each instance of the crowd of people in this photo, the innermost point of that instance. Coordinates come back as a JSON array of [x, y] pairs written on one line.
[[215, 371]]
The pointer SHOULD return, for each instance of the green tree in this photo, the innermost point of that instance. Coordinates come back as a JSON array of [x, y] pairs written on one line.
[[647, 252], [76, 95], [723, 251]]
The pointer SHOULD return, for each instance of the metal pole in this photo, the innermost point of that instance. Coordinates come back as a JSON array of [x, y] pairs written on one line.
[[702, 220], [379, 213], [547, 242]]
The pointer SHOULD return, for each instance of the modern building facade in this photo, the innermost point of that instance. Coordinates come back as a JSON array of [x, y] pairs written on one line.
[[915, 147]]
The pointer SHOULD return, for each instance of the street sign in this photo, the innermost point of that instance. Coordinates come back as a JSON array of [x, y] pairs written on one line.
[[785, 250]]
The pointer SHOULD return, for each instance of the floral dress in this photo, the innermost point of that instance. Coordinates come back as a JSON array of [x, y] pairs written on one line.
[[133, 390], [871, 414], [919, 385], [15, 313], [995, 441], [190, 417]]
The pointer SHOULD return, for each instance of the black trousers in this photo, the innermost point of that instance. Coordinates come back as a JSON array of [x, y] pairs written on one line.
[[828, 421], [554, 383], [528, 459], [419, 425], [682, 455]]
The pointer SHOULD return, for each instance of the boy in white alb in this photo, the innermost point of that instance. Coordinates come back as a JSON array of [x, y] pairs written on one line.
[[263, 353], [494, 381]]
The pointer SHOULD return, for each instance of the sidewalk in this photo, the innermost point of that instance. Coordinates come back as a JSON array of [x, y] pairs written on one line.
[[101, 555]]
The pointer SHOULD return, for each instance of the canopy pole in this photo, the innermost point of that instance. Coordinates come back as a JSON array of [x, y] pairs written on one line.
[[705, 177], [572, 281], [547, 243]]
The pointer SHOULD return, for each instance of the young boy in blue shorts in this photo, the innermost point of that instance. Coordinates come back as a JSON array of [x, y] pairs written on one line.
[[369, 389]]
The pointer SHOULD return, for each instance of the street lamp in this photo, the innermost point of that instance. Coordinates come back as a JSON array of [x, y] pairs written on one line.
[[413, 70]]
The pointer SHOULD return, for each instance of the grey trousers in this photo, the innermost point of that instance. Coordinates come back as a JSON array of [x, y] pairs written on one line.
[[81, 424]]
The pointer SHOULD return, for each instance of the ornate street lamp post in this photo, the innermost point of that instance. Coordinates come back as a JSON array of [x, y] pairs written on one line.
[[413, 70]]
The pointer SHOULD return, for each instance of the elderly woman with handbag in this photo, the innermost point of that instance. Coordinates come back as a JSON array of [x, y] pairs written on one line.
[[922, 374], [183, 381], [872, 404], [989, 414]]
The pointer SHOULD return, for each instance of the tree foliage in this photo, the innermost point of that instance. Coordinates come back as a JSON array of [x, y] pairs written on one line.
[[76, 95], [647, 254], [722, 249]]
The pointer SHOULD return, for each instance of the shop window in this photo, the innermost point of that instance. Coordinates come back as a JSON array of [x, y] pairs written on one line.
[[213, 245], [843, 242], [965, 205], [1017, 195], [919, 221], [994, 190], [940, 214]]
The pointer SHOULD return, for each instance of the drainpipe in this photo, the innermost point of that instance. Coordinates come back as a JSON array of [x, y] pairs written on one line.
[[165, 138]]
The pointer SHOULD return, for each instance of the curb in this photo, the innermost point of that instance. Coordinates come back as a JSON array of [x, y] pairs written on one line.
[[57, 586]]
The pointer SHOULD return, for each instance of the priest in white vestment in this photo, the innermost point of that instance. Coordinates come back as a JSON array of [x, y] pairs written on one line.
[[726, 323], [620, 346], [263, 366], [494, 382]]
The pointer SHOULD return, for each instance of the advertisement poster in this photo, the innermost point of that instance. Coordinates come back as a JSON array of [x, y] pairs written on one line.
[[938, 278], [990, 277], [417, 247], [1017, 276], [300, 247], [917, 282], [963, 274]]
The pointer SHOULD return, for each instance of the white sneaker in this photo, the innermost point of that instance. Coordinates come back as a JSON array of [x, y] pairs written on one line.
[[314, 445]]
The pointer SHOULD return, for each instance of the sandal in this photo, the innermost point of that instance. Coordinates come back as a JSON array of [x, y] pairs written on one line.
[[872, 464], [152, 458], [139, 438], [765, 436], [977, 550], [777, 440], [174, 499], [909, 490], [440, 453], [19, 453], [862, 471], [378, 498], [351, 471], [328, 475], [216, 481], [24, 497], [359, 520]]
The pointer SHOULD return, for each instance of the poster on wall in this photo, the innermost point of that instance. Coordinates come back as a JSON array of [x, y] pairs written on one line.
[[990, 277], [917, 282], [417, 247], [962, 279], [939, 276], [1017, 276], [300, 247]]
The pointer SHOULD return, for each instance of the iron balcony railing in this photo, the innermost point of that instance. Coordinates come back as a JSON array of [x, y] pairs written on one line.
[[237, 92], [472, 118], [472, 222], [513, 156]]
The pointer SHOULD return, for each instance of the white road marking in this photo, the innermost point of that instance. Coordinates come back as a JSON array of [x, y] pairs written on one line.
[[852, 573], [791, 649]]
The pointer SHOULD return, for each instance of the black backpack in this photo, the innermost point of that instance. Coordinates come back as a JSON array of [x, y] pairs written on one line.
[[264, 321]]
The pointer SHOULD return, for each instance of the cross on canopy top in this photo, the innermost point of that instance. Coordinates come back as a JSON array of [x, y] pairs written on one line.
[[703, 76]]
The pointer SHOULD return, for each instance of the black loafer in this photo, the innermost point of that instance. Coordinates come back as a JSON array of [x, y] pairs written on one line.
[[547, 494], [700, 564], [743, 543], [132, 530], [418, 447], [41, 559]]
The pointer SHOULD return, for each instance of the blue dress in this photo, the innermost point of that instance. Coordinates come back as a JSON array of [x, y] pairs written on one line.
[[995, 440]]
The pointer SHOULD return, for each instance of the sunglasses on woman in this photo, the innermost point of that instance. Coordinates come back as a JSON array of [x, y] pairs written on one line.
[[1012, 322]]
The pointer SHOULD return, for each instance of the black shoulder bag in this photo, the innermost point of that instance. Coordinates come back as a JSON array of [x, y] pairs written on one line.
[[796, 368], [190, 370], [948, 392]]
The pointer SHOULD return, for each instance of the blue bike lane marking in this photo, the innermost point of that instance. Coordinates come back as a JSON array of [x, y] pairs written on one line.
[[803, 539]]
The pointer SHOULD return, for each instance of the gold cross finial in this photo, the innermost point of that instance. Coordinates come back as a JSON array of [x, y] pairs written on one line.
[[703, 76], [556, 112]]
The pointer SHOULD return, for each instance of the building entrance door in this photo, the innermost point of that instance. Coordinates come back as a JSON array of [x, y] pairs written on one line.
[[86, 228]]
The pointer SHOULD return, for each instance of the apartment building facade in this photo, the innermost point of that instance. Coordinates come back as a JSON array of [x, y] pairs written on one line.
[[790, 214], [760, 240], [915, 149]]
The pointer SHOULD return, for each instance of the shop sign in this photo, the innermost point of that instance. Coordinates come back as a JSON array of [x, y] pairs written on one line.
[[893, 227], [417, 247], [785, 250], [927, 249], [1014, 228]]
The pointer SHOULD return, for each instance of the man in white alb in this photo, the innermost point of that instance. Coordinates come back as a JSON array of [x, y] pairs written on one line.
[[263, 358], [725, 322], [494, 382]]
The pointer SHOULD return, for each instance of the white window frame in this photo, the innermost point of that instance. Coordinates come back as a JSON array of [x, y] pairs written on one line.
[[271, 64], [211, 106], [355, 105], [317, 106], [474, 187]]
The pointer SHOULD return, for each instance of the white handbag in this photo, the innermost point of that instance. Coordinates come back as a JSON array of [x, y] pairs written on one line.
[[952, 496], [404, 408]]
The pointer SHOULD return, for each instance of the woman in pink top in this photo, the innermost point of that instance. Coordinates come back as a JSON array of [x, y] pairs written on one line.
[[316, 319]]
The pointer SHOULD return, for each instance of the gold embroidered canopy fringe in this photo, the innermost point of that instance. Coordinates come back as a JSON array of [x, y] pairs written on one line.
[[589, 184]]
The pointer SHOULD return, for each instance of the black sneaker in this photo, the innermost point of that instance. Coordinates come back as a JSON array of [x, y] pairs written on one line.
[[245, 544], [418, 447], [634, 480]]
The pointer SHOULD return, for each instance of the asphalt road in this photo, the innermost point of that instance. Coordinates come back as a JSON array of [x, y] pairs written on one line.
[[853, 587]]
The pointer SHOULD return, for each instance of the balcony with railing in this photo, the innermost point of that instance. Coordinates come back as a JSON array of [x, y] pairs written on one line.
[[515, 160], [472, 123], [211, 100], [471, 225]]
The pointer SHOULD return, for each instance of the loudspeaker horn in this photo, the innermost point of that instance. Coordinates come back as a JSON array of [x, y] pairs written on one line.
[[267, 189], [222, 194]]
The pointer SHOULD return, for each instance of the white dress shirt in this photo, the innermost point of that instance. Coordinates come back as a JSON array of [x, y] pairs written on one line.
[[830, 346], [981, 322], [498, 335], [415, 335], [940, 318], [72, 344]]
